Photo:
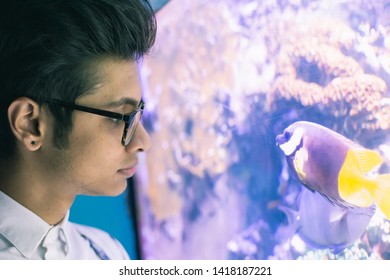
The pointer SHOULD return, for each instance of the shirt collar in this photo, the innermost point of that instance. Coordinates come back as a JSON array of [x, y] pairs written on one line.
[[23, 228]]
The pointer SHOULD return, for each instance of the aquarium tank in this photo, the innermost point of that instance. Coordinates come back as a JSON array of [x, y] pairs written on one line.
[[224, 79]]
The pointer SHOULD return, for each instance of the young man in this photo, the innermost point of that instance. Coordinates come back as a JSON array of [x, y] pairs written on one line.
[[70, 105]]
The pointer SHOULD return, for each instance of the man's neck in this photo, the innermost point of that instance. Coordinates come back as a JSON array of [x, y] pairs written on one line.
[[34, 193]]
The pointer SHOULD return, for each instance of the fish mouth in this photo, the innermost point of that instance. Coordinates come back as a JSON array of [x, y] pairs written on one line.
[[280, 139]]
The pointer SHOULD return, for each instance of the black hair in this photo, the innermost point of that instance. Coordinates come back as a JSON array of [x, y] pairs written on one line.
[[48, 49]]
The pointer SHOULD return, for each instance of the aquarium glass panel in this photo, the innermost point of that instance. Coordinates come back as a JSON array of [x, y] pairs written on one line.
[[269, 123]]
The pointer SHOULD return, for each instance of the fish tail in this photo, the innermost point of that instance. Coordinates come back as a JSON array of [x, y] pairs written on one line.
[[381, 194]]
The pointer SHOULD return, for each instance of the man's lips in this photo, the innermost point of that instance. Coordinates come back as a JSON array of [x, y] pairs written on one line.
[[128, 171]]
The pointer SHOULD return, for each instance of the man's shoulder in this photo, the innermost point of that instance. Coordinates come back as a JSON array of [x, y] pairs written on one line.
[[90, 231], [110, 245]]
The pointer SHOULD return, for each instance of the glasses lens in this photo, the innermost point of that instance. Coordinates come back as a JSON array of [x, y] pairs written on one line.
[[132, 127]]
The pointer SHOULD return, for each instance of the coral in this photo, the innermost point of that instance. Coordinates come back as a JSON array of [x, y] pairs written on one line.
[[327, 58], [317, 71], [360, 97]]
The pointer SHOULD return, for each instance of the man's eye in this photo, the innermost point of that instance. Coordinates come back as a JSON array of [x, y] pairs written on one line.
[[115, 121]]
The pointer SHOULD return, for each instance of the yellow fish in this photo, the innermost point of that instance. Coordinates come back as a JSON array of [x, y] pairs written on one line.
[[334, 166]]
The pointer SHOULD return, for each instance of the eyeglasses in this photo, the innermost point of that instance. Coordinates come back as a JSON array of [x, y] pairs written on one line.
[[131, 120]]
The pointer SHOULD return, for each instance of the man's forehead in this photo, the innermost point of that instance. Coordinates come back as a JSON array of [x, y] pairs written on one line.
[[118, 84], [122, 102]]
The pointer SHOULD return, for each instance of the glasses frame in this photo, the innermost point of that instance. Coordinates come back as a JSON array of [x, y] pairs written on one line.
[[128, 119]]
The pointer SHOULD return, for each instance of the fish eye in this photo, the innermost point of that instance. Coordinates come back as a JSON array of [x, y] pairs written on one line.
[[287, 135]]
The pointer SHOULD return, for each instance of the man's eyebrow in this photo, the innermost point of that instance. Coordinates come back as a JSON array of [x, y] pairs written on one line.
[[121, 102]]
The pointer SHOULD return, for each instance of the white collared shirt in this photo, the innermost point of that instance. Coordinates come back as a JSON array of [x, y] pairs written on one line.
[[24, 235]]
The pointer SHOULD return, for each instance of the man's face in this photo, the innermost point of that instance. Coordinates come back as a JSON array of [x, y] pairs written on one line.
[[96, 162]]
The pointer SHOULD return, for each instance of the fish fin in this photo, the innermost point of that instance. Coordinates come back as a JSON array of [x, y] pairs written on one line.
[[360, 199], [292, 217], [353, 185], [298, 165], [340, 203], [366, 160], [336, 216], [381, 194]]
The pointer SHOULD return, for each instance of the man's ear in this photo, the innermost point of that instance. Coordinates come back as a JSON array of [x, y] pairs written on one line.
[[25, 119]]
